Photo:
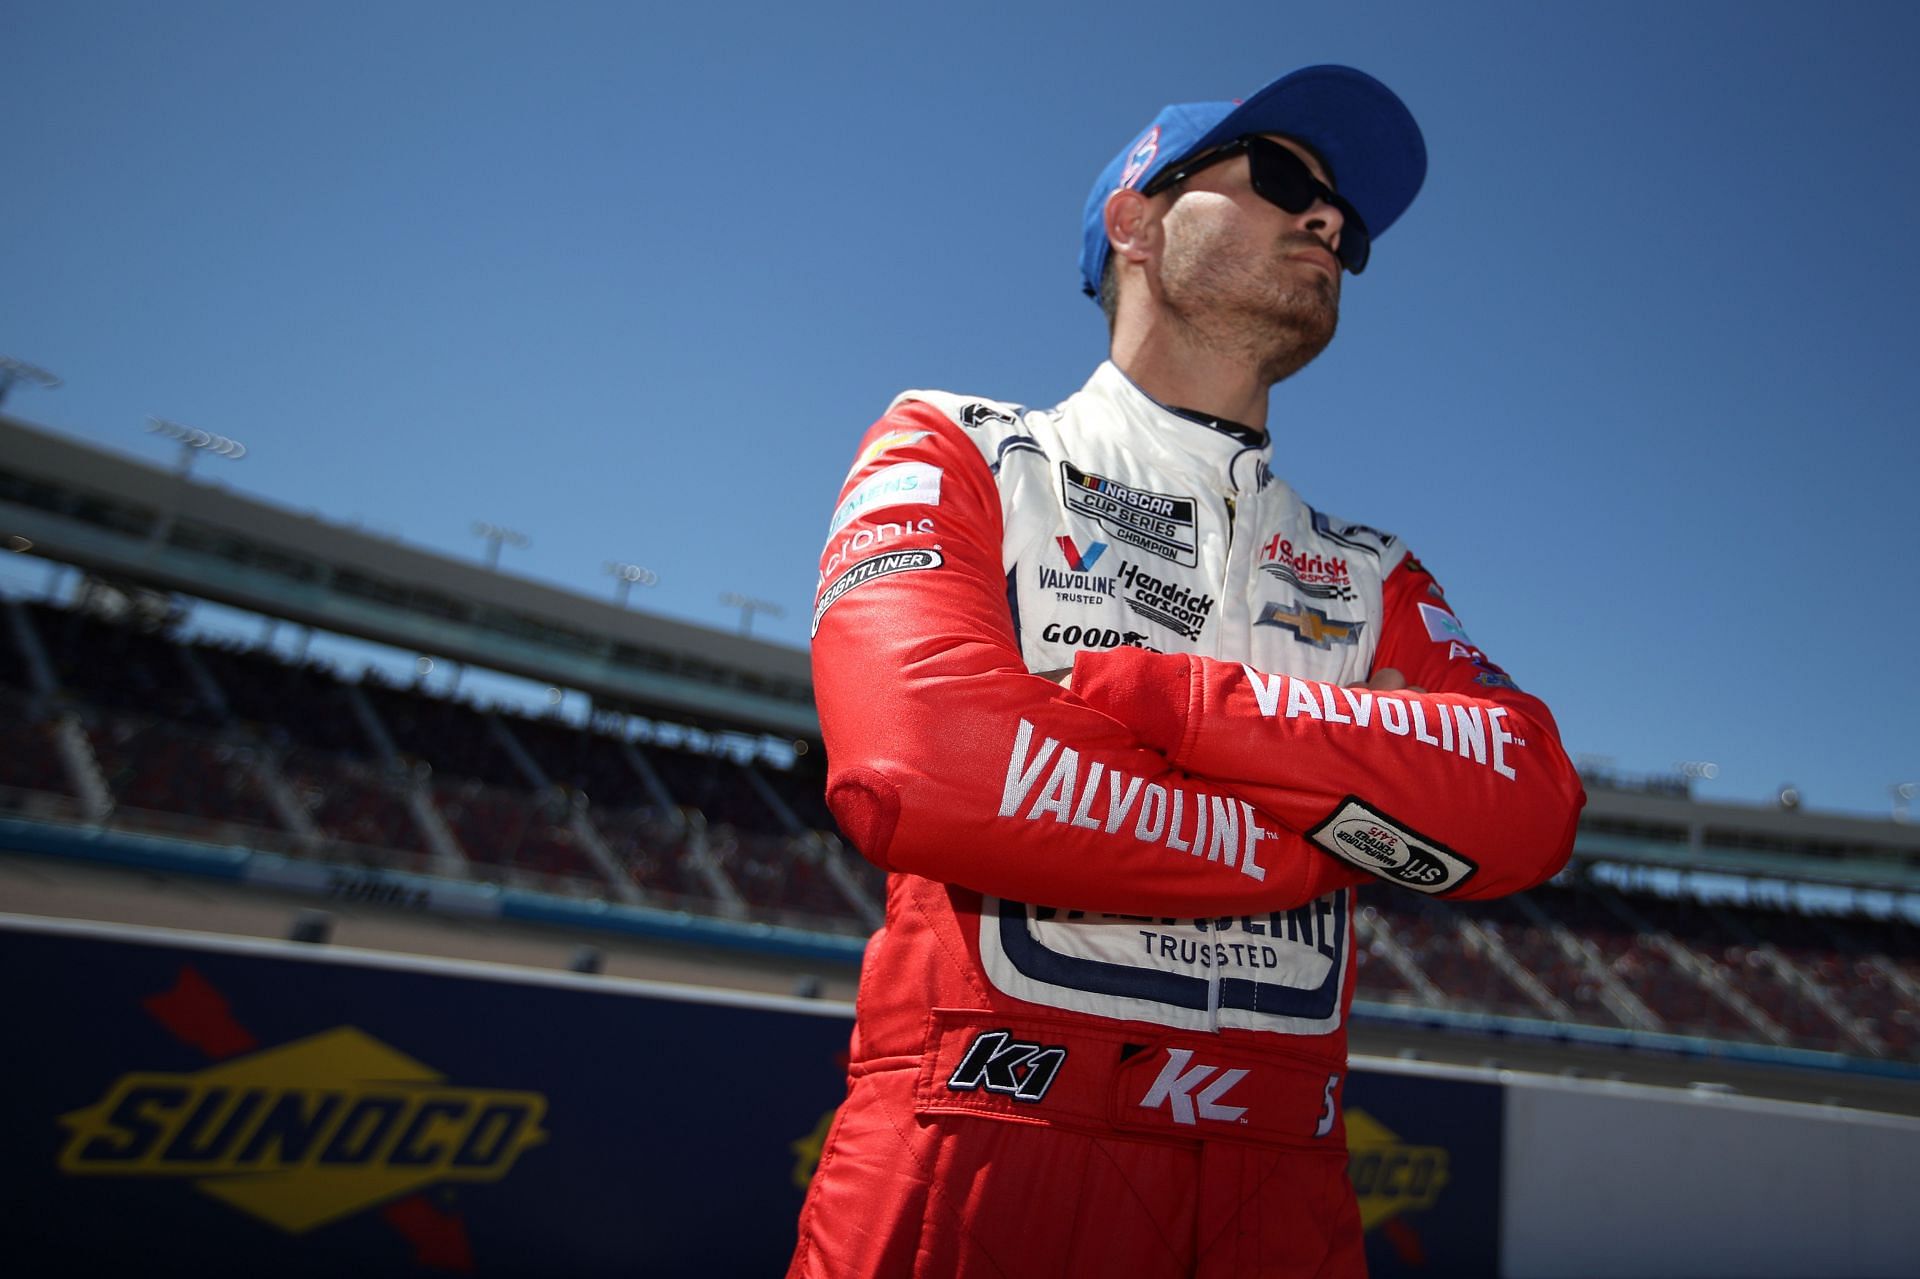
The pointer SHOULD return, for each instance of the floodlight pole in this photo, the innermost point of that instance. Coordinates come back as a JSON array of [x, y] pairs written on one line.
[[1696, 770], [495, 535], [14, 371], [628, 576], [748, 607], [193, 442]]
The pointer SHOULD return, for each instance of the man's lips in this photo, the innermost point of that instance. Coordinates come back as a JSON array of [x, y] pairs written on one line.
[[1318, 257]]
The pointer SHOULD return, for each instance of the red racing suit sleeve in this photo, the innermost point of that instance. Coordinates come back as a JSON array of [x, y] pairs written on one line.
[[1460, 791], [948, 759]]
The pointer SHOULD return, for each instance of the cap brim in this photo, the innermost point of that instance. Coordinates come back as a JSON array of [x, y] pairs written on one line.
[[1359, 127]]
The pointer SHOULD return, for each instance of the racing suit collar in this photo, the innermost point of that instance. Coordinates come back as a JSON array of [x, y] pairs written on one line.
[[1211, 442], [1250, 436]]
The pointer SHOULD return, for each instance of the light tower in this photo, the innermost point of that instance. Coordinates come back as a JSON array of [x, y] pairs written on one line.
[[748, 607], [628, 576], [495, 535], [194, 442], [14, 371]]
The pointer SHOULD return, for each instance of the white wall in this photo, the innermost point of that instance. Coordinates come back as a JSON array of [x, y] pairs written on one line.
[[1607, 1180]]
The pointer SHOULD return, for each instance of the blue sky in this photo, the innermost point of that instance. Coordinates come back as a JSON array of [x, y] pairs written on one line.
[[1633, 376]]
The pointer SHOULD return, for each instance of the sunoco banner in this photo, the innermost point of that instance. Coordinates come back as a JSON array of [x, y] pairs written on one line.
[[212, 1111], [235, 1108]]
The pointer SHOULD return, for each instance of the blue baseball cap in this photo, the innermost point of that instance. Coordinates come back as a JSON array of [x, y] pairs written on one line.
[[1363, 134]]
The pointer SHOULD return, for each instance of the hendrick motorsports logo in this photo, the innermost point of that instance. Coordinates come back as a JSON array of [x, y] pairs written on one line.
[[305, 1133], [1320, 577]]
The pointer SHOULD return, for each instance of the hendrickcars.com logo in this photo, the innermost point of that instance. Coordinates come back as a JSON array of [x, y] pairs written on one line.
[[304, 1133]]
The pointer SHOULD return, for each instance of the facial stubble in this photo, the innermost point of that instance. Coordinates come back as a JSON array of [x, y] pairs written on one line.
[[1275, 313]]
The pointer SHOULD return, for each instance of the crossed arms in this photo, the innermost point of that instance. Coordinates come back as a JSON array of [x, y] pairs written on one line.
[[1155, 784]]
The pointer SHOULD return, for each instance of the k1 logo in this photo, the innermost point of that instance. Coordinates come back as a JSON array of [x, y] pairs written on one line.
[[997, 1062]]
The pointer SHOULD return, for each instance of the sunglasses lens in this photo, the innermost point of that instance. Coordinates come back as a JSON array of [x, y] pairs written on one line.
[[1283, 178], [1356, 246]]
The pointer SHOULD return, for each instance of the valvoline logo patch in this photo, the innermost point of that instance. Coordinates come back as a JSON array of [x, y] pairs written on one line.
[[1078, 561]]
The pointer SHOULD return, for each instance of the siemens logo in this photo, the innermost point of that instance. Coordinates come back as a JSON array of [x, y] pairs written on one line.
[[902, 484]]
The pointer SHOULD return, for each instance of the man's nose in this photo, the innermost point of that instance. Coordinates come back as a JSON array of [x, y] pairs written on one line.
[[1324, 221]]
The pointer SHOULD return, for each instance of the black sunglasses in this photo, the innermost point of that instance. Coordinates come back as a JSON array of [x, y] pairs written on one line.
[[1282, 178]]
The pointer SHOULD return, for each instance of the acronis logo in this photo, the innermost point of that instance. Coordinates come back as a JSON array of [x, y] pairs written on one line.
[[305, 1133]]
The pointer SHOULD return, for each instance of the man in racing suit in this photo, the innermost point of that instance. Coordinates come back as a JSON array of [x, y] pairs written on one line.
[[1127, 721]]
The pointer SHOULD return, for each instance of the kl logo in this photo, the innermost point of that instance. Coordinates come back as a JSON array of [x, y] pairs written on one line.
[[1075, 560], [1175, 1087], [998, 1062]]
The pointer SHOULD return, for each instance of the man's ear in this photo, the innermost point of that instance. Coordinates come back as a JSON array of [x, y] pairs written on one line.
[[1132, 231]]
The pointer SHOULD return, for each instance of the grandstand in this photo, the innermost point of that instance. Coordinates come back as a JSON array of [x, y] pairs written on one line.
[[1768, 949]]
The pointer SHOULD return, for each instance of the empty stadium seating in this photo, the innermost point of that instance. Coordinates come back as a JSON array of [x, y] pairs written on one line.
[[235, 744]]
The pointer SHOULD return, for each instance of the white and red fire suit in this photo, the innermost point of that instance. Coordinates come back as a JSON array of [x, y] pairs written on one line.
[[1106, 1018]]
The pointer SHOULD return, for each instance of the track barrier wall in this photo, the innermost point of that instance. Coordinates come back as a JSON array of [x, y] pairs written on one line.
[[183, 1103]]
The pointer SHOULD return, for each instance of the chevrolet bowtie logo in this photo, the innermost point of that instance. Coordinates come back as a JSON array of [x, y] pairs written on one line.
[[1310, 626]]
